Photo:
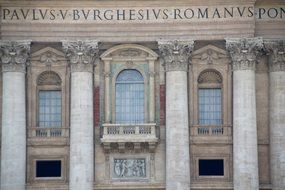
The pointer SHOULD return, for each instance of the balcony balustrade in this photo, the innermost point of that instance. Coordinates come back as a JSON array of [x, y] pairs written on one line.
[[129, 133], [41, 132]]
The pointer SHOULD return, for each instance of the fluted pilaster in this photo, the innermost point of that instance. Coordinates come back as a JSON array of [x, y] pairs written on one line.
[[276, 51]]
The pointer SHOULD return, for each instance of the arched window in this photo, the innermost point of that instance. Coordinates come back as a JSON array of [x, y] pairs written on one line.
[[210, 98], [130, 108], [49, 100]]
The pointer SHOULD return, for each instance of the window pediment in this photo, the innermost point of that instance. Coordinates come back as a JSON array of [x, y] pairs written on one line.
[[209, 54], [129, 52], [48, 56]]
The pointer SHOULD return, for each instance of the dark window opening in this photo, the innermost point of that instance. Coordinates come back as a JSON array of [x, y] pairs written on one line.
[[48, 168], [213, 167]]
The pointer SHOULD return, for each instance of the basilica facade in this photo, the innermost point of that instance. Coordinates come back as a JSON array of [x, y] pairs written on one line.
[[149, 95]]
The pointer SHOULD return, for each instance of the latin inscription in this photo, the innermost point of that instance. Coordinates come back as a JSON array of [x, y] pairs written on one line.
[[146, 14]]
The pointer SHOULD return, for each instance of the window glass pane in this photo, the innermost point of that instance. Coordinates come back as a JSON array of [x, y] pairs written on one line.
[[130, 97], [213, 167], [48, 168], [49, 108], [210, 107]]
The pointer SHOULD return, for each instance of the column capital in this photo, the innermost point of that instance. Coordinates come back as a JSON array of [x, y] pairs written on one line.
[[81, 54], [14, 55], [245, 52], [276, 50], [176, 54]]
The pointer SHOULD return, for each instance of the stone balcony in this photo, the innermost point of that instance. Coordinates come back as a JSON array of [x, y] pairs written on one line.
[[48, 136], [129, 136], [211, 134]]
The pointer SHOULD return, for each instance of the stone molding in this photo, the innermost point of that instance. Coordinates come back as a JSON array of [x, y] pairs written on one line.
[[276, 49], [209, 54], [81, 54], [176, 54], [245, 52], [14, 55]]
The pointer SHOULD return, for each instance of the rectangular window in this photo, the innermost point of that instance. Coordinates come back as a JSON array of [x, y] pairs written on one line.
[[213, 167], [210, 106], [49, 108], [48, 168]]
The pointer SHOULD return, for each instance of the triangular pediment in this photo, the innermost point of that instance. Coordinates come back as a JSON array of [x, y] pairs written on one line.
[[48, 55], [210, 54]]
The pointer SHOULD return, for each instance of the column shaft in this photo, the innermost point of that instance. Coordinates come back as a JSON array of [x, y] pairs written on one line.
[[81, 56], [13, 156], [177, 132], [244, 53], [277, 130], [14, 56], [276, 50], [245, 131], [176, 55], [81, 134]]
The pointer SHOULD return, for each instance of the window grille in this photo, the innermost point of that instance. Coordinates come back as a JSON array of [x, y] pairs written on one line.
[[210, 106], [130, 108], [49, 108]]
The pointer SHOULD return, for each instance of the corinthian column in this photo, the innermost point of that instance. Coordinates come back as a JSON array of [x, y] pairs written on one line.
[[81, 56], [176, 55], [14, 57], [276, 50], [244, 53]]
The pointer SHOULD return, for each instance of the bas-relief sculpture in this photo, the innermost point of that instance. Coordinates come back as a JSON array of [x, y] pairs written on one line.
[[130, 168]]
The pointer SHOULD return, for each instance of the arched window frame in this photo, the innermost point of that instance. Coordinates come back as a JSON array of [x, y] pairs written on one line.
[[45, 85], [146, 98], [129, 56], [218, 84]]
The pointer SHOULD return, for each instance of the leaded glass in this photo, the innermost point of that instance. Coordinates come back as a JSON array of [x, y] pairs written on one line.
[[130, 97], [49, 108], [210, 107]]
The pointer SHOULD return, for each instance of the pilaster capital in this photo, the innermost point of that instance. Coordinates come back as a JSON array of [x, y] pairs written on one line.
[[176, 54], [245, 52], [14, 55], [276, 50], [81, 54]]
